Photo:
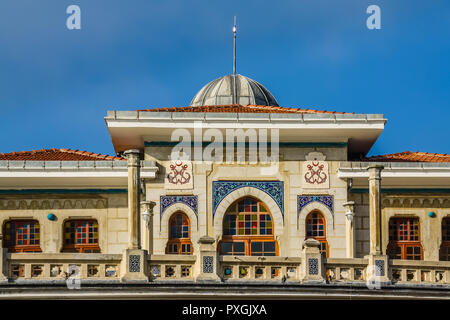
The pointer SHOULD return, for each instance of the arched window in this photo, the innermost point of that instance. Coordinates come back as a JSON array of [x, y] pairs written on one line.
[[21, 236], [404, 239], [179, 235], [444, 252], [316, 229], [81, 236], [248, 230]]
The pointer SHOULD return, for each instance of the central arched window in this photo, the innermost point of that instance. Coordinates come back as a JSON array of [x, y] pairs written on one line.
[[21, 236], [404, 239], [444, 252], [179, 235], [316, 229], [248, 230]]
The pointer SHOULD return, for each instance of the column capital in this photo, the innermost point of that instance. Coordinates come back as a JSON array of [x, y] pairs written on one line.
[[126, 153], [375, 167], [375, 171]]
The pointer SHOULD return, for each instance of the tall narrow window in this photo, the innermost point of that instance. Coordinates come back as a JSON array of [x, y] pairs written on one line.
[[22, 236], [248, 230], [81, 236], [316, 229], [404, 239], [179, 235], [444, 252]]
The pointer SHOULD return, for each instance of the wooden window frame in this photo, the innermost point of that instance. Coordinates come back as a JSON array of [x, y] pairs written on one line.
[[444, 250], [83, 247], [16, 248], [179, 242], [322, 239], [248, 239], [404, 244]]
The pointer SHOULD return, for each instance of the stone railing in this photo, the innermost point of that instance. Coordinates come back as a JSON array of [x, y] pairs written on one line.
[[57, 266], [259, 268], [171, 267], [342, 270], [412, 271]]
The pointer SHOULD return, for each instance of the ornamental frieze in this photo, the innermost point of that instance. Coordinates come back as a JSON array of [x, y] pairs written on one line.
[[303, 201], [415, 202], [167, 201], [42, 204], [275, 189]]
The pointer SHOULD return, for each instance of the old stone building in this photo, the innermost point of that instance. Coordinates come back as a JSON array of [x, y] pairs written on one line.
[[318, 214]]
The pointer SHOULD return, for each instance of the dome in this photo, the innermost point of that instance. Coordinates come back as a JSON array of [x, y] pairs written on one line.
[[220, 92]]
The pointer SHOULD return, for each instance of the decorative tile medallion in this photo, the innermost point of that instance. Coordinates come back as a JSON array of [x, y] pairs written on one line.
[[379, 268], [179, 175], [275, 189], [315, 171], [313, 266], [208, 264], [135, 263], [303, 201], [167, 201]]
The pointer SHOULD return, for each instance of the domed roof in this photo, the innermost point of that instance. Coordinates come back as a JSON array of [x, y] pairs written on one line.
[[221, 92]]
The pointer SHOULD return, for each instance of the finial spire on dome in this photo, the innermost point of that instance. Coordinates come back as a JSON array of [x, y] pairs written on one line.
[[234, 54], [234, 62]]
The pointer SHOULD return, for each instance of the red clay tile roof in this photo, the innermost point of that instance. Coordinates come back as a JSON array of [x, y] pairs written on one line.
[[56, 155], [409, 156], [235, 108]]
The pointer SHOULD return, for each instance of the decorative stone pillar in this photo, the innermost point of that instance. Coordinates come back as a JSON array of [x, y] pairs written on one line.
[[133, 157], [207, 260], [3, 261], [377, 271], [147, 220], [375, 208], [349, 228], [134, 261], [312, 264]]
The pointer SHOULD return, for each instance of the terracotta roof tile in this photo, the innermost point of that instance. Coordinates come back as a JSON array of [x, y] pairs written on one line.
[[56, 155], [235, 108], [409, 156]]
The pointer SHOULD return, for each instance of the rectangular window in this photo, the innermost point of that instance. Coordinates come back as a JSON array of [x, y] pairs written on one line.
[[233, 248], [263, 248], [81, 236], [22, 236]]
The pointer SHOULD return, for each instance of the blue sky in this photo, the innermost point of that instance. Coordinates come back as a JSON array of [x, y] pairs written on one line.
[[56, 85]]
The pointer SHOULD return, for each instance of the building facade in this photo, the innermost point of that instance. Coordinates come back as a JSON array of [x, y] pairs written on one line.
[[306, 208]]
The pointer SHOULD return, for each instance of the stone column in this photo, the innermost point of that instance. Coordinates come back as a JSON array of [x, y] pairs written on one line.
[[147, 220], [134, 260], [375, 208], [133, 157], [350, 229], [377, 271], [3, 260], [312, 264]]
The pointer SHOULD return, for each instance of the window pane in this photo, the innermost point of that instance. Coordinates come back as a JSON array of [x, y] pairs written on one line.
[[227, 248], [269, 246], [239, 247], [257, 246]]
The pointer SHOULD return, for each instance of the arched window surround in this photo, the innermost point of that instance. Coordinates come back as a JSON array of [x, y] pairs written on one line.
[[248, 229], [179, 234], [316, 228]]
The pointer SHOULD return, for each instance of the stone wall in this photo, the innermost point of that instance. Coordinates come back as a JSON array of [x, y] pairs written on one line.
[[110, 210]]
